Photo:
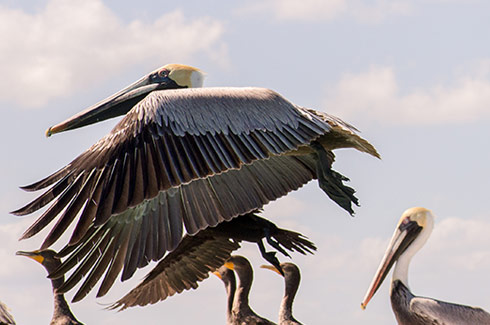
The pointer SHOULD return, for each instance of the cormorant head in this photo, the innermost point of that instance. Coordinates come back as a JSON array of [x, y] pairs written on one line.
[[46, 258], [289, 269]]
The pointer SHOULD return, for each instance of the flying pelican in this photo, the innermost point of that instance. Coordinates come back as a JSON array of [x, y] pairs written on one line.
[[292, 277], [228, 277], [5, 317], [62, 314], [204, 252], [241, 311], [410, 235], [183, 157]]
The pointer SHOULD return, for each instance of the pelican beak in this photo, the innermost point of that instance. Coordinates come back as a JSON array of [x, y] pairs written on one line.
[[404, 235], [272, 268], [33, 255], [119, 103]]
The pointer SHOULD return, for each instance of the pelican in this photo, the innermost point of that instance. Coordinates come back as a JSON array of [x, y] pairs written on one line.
[[5, 317], [241, 311], [62, 314], [292, 278], [410, 235], [182, 157], [204, 252], [228, 277]]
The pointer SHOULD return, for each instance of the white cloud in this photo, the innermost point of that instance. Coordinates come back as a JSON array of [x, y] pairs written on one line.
[[70, 44], [462, 243], [375, 95], [321, 10]]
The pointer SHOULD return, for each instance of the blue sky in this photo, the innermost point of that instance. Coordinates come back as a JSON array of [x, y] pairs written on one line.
[[413, 76]]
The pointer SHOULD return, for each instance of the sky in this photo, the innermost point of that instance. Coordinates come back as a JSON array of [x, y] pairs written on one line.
[[413, 76]]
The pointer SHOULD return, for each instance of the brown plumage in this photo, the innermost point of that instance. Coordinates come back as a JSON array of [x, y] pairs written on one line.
[[189, 158], [292, 278], [62, 314], [228, 277], [242, 313], [206, 251]]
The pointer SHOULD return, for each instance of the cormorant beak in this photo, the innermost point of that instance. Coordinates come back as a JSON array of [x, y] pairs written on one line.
[[119, 103], [229, 265], [404, 235], [33, 255], [218, 274], [272, 268]]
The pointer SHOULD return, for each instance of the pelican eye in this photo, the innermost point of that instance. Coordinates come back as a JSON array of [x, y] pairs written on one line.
[[157, 76], [163, 73], [404, 223]]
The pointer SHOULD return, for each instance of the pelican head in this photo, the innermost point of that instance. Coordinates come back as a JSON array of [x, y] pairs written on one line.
[[411, 233], [170, 76]]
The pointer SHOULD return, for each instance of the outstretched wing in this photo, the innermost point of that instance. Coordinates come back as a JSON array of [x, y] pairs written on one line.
[[130, 240], [205, 252], [172, 138], [188, 157], [182, 269]]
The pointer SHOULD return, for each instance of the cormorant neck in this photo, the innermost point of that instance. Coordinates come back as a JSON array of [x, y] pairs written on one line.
[[60, 305], [286, 312], [241, 295], [56, 283], [230, 290], [286, 309]]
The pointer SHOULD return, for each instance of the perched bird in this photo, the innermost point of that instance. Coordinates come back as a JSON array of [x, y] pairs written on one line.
[[410, 235], [62, 314], [292, 277], [5, 317], [179, 158], [228, 277], [205, 252], [241, 312]]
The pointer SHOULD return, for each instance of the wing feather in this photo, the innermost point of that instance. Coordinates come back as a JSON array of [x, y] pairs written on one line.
[[180, 270], [190, 158]]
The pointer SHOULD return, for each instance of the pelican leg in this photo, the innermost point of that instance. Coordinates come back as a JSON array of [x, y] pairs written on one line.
[[331, 182], [270, 256]]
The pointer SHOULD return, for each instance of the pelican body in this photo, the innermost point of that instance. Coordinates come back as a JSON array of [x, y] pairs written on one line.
[[181, 157], [62, 314], [411, 233], [292, 278]]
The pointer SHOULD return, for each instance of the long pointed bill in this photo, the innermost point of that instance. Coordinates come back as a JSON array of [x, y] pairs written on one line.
[[34, 255], [402, 238], [118, 104], [272, 268]]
